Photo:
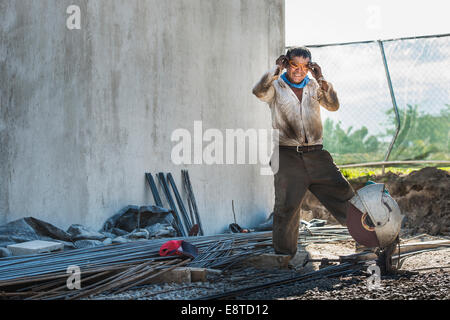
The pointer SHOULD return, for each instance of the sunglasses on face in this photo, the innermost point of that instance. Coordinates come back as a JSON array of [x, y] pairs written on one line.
[[295, 66]]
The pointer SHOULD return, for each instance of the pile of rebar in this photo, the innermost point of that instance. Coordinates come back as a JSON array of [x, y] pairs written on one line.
[[325, 234], [120, 266], [351, 264], [327, 272], [186, 225]]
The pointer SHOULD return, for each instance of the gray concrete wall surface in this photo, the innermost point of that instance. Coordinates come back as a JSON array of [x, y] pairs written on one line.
[[85, 113]]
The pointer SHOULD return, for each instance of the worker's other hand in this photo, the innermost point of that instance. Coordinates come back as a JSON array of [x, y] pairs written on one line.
[[315, 69], [282, 63]]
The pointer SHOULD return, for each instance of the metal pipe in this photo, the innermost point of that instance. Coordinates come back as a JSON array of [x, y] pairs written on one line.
[[394, 103], [183, 211], [194, 202], [388, 163], [163, 182], [154, 190], [371, 41], [188, 195]]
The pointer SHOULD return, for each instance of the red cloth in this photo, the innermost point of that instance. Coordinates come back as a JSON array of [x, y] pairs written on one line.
[[171, 248]]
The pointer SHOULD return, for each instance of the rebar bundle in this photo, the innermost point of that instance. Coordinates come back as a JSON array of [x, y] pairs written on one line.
[[133, 263]]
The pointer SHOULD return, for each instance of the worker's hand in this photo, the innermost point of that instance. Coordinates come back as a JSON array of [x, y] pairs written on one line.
[[282, 63], [315, 69]]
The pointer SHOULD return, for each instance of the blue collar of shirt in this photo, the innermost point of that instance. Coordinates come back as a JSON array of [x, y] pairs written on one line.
[[295, 85]]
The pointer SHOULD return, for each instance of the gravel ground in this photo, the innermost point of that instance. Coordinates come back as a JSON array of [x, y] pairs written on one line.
[[409, 286], [417, 281], [423, 276], [232, 280]]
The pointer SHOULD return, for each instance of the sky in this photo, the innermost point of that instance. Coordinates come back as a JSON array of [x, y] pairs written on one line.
[[331, 21]]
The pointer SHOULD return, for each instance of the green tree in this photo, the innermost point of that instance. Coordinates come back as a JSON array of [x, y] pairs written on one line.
[[338, 140], [422, 136]]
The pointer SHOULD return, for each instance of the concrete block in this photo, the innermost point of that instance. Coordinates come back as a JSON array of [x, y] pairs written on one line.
[[182, 275], [34, 247], [299, 258], [198, 274], [177, 275], [268, 261]]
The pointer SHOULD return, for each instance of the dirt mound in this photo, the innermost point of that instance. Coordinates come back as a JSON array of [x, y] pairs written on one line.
[[423, 196]]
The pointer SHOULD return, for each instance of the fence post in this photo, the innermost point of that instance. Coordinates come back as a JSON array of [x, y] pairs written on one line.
[[394, 103]]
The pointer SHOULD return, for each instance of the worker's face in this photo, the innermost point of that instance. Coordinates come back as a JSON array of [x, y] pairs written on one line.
[[297, 69]]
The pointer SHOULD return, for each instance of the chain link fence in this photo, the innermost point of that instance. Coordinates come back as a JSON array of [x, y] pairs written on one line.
[[366, 124]]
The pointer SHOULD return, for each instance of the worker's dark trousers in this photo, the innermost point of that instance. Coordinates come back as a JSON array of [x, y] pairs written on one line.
[[297, 173]]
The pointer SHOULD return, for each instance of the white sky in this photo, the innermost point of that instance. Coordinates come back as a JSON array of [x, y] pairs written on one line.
[[331, 21]]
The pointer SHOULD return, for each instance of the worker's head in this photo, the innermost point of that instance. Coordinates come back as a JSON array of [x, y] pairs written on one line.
[[297, 66]]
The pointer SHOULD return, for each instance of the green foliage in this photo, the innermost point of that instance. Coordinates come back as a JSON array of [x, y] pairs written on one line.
[[354, 173], [339, 140], [422, 137]]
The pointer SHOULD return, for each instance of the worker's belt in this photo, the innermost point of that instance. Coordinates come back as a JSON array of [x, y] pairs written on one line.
[[303, 149]]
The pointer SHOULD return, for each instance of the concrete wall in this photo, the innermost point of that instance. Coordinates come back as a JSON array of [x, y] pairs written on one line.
[[85, 113]]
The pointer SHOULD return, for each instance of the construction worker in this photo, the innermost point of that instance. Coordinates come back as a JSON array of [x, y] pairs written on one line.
[[294, 100]]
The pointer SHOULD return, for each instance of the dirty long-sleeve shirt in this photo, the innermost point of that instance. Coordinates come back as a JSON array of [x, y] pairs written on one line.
[[298, 123]]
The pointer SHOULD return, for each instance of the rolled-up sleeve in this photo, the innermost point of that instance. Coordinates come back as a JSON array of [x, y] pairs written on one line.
[[328, 99], [264, 89]]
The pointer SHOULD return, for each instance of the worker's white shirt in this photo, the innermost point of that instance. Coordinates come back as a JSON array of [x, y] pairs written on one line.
[[294, 120]]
